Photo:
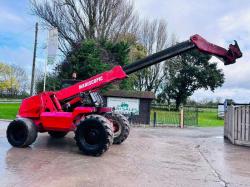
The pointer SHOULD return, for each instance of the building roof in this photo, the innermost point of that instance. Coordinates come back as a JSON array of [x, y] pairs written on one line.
[[129, 94]]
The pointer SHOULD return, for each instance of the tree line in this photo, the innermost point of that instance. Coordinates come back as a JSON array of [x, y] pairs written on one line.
[[95, 35], [13, 81]]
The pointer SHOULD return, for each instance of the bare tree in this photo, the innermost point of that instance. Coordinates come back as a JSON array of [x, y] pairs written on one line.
[[153, 36], [77, 20], [22, 78]]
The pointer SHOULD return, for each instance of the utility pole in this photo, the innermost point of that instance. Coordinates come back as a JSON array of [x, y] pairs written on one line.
[[34, 61]]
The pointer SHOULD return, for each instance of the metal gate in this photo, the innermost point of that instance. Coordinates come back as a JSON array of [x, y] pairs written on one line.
[[190, 115], [164, 115]]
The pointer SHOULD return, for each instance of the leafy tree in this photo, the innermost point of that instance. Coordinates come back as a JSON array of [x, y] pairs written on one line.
[[187, 73], [52, 83], [138, 52], [85, 60], [13, 79]]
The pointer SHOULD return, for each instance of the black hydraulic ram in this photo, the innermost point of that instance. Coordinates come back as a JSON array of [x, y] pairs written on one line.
[[227, 56]]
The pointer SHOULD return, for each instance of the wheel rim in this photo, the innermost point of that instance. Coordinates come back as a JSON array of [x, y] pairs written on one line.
[[117, 129], [92, 136]]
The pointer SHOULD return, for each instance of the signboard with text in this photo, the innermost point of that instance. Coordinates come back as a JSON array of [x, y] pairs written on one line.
[[124, 105]]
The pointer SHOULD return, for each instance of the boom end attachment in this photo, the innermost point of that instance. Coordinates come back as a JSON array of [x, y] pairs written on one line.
[[227, 56], [233, 53]]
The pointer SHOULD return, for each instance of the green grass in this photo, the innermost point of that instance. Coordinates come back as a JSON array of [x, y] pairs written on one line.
[[209, 119], [8, 110]]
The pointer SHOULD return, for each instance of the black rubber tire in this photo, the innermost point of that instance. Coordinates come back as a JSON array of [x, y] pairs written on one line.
[[57, 134], [21, 132], [123, 123], [94, 135]]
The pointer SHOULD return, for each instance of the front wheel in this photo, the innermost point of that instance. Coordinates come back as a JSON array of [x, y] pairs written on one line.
[[94, 135], [120, 125], [21, 132]]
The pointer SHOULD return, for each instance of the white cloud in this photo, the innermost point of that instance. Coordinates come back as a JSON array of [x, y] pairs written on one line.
[[20, 56], [235, 21], [237, 75], [239, 95], [10, 21], [7, 16]]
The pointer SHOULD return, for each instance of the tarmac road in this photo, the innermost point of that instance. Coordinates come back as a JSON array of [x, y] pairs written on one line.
[[150, 157]]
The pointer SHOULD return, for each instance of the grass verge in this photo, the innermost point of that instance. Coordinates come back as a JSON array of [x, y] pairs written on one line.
[[206, 118], [209, 119], [8, 110]]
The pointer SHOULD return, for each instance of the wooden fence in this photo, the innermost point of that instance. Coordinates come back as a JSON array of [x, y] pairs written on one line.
[[237, 122]]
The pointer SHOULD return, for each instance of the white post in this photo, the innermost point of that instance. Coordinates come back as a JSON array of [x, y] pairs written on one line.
[[46, 63], [45, 74]]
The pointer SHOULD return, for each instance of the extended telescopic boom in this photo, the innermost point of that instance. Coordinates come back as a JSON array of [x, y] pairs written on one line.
[[196, 41]]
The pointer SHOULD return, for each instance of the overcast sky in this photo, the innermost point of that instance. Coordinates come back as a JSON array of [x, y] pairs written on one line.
[[219, 21]]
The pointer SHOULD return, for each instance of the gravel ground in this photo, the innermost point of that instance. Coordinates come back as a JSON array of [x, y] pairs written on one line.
[[149, 157]]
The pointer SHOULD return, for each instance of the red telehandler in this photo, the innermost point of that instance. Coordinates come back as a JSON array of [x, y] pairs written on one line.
[[79, 107]]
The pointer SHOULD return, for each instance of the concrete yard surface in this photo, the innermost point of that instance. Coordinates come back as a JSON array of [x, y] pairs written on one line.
[[150, 157]]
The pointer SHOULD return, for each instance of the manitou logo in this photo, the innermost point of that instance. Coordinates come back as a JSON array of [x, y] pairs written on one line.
[[96, 80]]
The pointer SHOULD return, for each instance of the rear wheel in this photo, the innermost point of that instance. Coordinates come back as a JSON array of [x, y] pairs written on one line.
[[120, 125], [57, 134], [94, 135], [21, 132]]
